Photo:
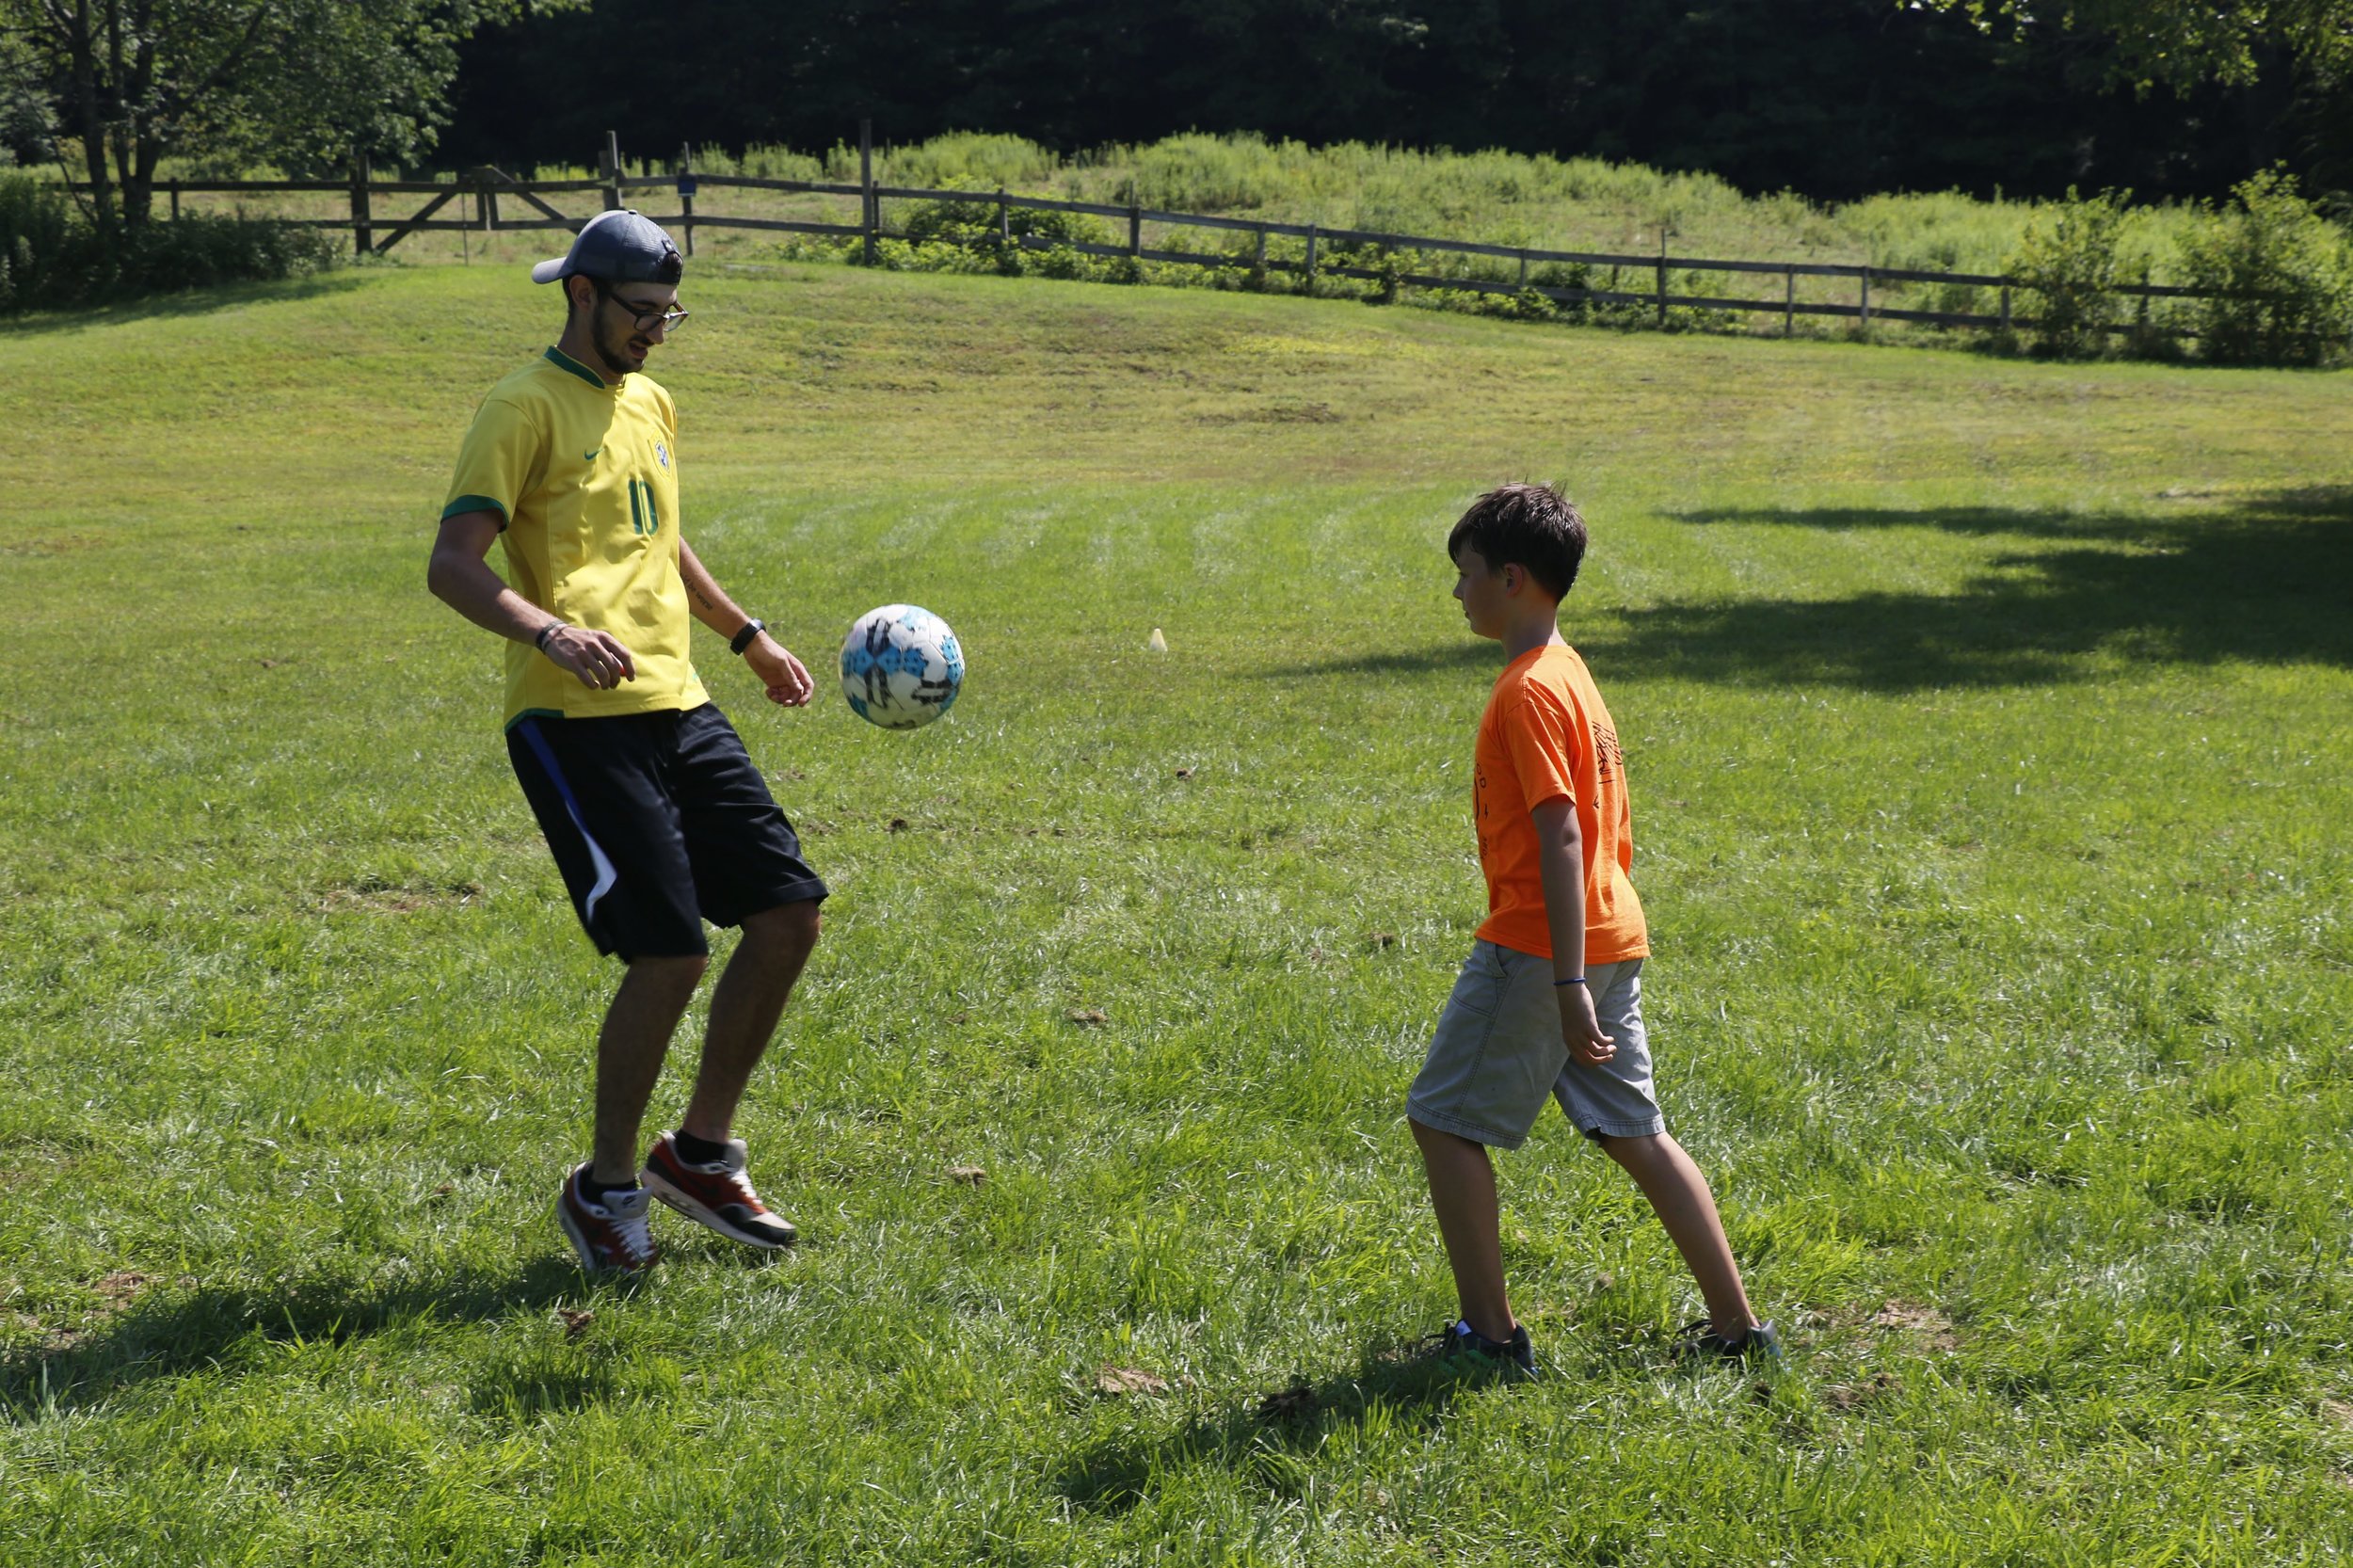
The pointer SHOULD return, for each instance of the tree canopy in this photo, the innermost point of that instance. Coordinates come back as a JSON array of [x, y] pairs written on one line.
[[2185, 43], [1833, 98], [300, 83]]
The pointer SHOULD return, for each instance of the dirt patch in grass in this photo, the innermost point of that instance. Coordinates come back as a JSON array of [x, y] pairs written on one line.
[[381, 897], [1127, 1381], [1845, 1397], [56, 544], [115, 1292], [1277, 413], [1931, 1328]]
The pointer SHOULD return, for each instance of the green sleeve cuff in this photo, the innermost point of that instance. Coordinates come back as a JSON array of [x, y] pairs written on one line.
[[476, 504]]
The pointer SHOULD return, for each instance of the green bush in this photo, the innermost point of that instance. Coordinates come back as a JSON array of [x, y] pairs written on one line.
[[973, 221], [2283, 290], [37, 242], [52, 257], [2069, 262]]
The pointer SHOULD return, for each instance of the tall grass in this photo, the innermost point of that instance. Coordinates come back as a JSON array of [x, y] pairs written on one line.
[[1501, 197]]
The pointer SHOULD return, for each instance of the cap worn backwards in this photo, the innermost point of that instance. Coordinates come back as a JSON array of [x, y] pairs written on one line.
[[624, 246]]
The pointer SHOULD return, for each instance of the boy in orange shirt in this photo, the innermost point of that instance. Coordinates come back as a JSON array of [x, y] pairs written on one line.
[[1550, 999]]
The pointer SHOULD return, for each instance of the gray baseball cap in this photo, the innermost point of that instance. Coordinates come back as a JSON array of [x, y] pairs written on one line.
[[624, 246]]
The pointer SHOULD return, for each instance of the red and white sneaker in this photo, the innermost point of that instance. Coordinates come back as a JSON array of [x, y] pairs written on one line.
[[717, 1194], [608, 1232]]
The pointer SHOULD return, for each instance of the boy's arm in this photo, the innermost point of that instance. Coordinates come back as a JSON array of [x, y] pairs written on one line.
[[1561, 858]]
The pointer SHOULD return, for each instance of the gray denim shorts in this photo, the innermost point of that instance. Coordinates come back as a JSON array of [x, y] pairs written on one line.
[[1498, 1052]]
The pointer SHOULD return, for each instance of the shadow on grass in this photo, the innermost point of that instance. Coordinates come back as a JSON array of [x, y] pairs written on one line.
[[2265, 577], [170, 1331], [1275, 1437], [190, 302], [2262, 578], [1469, 655]]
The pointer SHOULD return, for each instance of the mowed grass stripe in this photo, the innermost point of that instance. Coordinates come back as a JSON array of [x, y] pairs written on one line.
[[1987, 805]]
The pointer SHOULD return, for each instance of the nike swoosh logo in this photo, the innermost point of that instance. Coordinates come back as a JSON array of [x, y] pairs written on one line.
[[591, 456]]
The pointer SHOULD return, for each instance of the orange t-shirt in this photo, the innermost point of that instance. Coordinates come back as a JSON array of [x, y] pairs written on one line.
[[1545, 734]]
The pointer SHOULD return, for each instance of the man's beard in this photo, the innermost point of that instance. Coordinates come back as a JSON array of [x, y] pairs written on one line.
[[615, 353]]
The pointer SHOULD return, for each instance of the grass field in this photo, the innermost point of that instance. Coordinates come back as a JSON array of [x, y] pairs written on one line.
[[1987, 723]]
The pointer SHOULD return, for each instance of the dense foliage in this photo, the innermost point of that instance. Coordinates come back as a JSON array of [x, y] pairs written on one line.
[[1833, 98], [2282, 282], [51, 256], [302, 83], [2182, 42]]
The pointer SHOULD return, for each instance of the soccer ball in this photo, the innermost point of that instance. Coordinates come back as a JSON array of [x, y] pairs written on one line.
[[901, 668]]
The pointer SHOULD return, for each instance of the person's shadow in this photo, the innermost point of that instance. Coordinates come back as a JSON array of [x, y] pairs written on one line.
[[1271, 1438], [173, 1330]]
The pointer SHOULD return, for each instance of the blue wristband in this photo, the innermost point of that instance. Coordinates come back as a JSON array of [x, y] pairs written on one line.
[[1579, 981]]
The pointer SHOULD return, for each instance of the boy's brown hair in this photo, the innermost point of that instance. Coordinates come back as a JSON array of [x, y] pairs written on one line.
[[1533, 527]]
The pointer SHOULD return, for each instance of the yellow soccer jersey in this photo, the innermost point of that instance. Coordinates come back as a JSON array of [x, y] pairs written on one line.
[[586, 475]]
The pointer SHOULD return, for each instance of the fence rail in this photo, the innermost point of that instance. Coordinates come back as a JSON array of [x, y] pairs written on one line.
[[481, 189]]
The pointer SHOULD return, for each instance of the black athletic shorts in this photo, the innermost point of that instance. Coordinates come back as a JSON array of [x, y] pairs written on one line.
[[657, 821]]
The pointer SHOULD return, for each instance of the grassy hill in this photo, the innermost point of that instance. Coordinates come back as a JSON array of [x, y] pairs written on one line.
[[1984, 722]]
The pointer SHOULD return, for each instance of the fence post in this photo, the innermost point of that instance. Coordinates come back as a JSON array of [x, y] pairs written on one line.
[[1257, 251], [2142, 320], [1662, 276], [686, 192], [2004, 307], [1863, 309], [1004, 221], [1523, 268], [363, 233], [1135, 223], [872, 216], [1311, 258], [612, 170], [175, 201], [1789, 303]]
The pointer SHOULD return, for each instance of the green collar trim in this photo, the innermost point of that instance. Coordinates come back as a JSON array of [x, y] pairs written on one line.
[[565, 361]]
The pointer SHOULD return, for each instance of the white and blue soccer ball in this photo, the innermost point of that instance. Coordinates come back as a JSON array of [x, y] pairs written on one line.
[[901, 667]]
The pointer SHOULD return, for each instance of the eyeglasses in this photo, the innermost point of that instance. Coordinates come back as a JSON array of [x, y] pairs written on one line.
[[670, 317]]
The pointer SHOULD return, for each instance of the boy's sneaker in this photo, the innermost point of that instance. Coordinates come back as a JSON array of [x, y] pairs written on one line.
[[1761, 1343], [1464, 1346], [608, 1230], [717, 1194]]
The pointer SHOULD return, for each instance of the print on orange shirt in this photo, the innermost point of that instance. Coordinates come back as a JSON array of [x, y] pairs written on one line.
[[1545, 734]]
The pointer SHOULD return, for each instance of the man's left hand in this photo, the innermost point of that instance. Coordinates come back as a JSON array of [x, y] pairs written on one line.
[[788, 684]]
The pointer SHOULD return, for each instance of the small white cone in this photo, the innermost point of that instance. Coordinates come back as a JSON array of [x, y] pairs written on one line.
[[1158, 642]]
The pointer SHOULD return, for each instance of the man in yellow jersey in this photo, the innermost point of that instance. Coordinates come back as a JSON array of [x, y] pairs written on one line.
[[655, 815]]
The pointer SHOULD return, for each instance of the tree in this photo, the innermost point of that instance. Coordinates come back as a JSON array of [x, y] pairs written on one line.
[[303, 83], [2182, 43]]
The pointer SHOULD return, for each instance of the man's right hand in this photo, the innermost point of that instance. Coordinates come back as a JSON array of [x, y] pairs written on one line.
[[596, 657]]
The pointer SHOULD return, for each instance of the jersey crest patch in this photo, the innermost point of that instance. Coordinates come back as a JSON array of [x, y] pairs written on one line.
[[661, 455]]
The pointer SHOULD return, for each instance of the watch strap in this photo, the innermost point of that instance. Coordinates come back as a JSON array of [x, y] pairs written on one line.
[[742, 639]]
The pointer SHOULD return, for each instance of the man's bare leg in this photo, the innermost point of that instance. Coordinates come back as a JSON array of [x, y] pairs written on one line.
[[744, 1007], [1462, 1193], [630, 1050], [1679, 1196]]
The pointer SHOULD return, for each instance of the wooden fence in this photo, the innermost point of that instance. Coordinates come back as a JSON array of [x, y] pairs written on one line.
[[499, 202]]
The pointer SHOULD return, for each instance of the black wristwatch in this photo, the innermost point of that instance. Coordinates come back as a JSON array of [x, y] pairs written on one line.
[[742, 639]]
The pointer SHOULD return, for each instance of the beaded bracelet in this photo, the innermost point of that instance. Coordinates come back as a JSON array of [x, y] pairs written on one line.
[[1579, 981]]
